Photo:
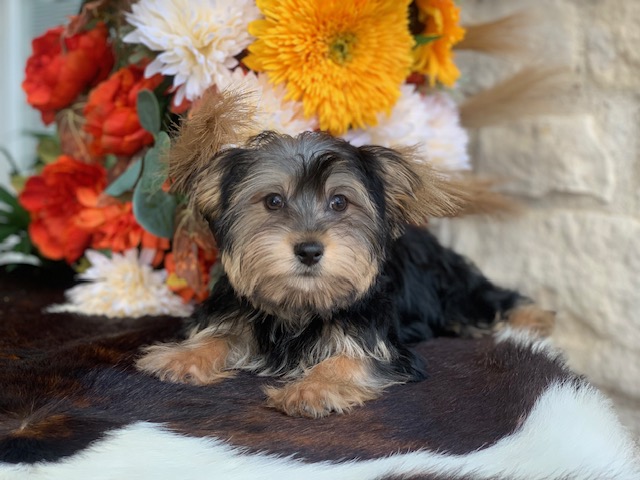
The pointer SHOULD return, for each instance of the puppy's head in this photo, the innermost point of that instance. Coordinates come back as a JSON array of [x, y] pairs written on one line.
[[303, 224]]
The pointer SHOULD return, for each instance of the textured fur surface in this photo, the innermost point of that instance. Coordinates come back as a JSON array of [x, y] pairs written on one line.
[[72, 406], [322, 272]]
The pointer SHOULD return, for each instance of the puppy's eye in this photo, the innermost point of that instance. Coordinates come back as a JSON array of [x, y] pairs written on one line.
[[338, 203], [274, 201]]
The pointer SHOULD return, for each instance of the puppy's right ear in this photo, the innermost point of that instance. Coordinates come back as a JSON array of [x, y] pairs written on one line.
[[414, 191], [216, 122]]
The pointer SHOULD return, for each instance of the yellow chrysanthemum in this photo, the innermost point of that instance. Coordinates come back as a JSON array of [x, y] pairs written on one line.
[[435, 59], [344, 59]]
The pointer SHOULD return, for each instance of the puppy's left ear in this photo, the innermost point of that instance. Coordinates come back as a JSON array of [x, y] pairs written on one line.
[[414, 191]]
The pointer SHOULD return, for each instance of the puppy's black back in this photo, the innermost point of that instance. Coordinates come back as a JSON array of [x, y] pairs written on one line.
[[438, 292]]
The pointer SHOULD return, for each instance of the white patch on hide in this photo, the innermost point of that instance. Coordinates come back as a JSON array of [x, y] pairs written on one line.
[[572, 432]]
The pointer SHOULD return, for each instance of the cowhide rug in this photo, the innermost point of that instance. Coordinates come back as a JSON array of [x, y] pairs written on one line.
[[72, 407]]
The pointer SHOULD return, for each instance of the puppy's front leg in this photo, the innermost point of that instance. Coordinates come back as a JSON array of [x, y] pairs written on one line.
[[334, 385], [199, 360]]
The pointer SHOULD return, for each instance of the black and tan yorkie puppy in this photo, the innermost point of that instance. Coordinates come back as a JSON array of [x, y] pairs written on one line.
[[326, 285]]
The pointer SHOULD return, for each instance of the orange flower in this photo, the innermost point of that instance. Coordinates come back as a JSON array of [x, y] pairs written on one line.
[[193, 253], [54, 199], [69, 213], [111, 114], [435, 59], [115, 228], [63, 66], [190, 291], [345, 60]]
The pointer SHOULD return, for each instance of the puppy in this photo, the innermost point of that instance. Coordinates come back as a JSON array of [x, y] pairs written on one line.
[[325, 284]]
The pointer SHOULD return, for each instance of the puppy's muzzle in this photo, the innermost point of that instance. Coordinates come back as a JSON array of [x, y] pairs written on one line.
[[309, 253]]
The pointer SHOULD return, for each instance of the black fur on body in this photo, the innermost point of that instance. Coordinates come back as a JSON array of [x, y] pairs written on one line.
[[325, 283], [425, 290]]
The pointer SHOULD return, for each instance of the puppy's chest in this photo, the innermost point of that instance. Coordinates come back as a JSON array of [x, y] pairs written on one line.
[[285, 346]]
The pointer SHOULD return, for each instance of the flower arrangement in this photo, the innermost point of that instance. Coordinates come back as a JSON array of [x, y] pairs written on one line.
[[120, 74]]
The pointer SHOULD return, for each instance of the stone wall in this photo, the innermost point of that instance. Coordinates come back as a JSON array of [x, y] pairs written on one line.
[[576, 248]]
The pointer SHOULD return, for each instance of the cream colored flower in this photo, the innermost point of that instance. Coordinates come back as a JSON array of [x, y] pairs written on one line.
[[197, 40], [429, 122], [273, 112], [122, 286]]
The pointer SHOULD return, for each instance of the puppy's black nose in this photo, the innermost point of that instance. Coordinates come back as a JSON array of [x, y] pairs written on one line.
[[309, 253]]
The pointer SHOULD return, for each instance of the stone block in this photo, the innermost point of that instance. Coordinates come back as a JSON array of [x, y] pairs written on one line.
[[548, 155], [583, 264], [612, 37]]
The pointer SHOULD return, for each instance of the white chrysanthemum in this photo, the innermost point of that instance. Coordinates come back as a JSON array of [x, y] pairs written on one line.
[[197, 39], [430, 122], [273, 112], [122, 286]]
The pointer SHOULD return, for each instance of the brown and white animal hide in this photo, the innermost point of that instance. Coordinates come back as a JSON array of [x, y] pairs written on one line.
[[73, 407]]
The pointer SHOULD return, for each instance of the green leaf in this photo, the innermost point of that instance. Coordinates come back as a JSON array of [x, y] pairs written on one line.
[[8, 198], [425, 39], [48, 149], [19, 218], [148, 111], [126, 181], [154, 211], [18, 182], [215, 274], [36, 134], [153, 208], [163, 142], [24, 246], [6, 230], [16, 215], [110, 161], [82, 265], [155, 168], [139, 53], [154, 172], [138, 56], [7, 154]]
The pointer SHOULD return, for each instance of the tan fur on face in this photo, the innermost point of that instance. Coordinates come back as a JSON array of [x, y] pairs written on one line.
[[200, 360], [258, 244], [335, 385], [265, 270], [259, 259]]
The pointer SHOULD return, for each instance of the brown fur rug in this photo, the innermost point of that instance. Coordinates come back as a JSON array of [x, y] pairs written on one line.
[[72, 406]]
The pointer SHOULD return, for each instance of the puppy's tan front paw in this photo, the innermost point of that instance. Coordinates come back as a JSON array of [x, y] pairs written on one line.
[[534, 318], [200, 364], [316, 399]]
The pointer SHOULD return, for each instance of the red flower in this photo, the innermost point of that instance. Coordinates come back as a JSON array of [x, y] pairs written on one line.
[[54, 198], [114, 227], [111, 114], [64, 66]]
